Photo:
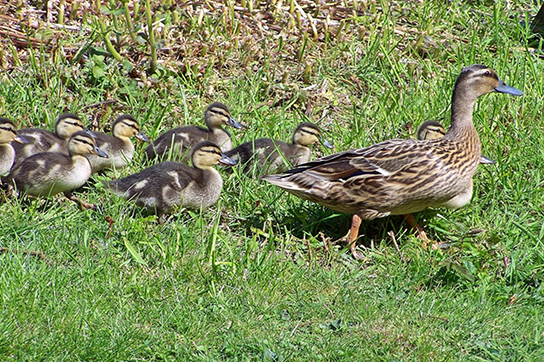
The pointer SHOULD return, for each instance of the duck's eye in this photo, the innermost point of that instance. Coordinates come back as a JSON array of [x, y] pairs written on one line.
[[487, 73]]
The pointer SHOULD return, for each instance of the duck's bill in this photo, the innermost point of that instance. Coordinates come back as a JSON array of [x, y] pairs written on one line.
[[232, 122], [142, 137], [487, 160], [504, 88], [226, 160], [20, 139], [100, 153], [327, 144], [89, 132]]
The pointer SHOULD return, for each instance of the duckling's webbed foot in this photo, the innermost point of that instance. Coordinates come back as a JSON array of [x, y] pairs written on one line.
[[82, 204], [420, 233]]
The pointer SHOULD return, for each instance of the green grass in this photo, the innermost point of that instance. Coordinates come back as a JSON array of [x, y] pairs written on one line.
[[258, 276]]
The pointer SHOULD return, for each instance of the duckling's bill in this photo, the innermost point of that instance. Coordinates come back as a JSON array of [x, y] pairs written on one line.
[[504, 88], [20, 139], [89, 132], [226, 160], [232, 122], [487, 160], [327, 144], [98, 151], [142, 137]]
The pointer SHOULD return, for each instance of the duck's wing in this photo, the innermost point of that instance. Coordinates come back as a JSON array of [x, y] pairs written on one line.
[[385, 159], [151, 181]]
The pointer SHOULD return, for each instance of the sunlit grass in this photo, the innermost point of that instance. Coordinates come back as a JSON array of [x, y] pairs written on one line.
[[259, 275]]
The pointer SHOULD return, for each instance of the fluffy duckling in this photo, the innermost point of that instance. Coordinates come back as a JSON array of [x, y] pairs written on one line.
[[433, 130], [399, 177], [176, 143], [273, 156], [49, 173], [41, 140], [118, 146], [8, 133], [161, 187]]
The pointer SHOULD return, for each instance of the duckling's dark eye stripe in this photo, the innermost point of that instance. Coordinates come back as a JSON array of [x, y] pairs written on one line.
[[86, 141], [9, 129], [219, 111], [310, 132], [211, 151], [132, 125]]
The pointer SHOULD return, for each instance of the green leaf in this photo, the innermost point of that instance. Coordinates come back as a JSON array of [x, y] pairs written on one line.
[[135, 255], [98, 72]]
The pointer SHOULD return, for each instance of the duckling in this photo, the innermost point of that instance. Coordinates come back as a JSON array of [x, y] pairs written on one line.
[[176, 143], [41, 140], [399, 177], [161, 187], [118, 146], [8, 133], [49, 173], [271, 155], [433, 130]]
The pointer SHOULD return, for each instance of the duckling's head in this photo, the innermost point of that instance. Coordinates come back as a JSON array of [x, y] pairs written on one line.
[[207, 154], [217, 114], [68, 124], [307, 133], [430, 130], [82, 143], [477, 80], [126, 126], [8, 132]]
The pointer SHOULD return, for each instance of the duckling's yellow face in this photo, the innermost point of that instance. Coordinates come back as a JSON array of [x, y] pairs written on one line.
[[206, 156], [430, 131], [306, 136], [8, 132], [126, 127], [82, 143], [67, 126], [217, 114]]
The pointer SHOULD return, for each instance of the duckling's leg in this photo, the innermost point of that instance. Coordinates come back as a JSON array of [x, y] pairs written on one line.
[[82, 204]]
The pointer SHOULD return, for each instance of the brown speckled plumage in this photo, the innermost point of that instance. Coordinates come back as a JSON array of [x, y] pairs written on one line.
[[402, 176]]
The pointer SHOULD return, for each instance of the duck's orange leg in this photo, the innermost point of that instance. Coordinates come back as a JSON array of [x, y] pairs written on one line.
[[353, 234]]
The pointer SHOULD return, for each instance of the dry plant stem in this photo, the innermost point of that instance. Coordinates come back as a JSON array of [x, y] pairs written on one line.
[[151, 36]]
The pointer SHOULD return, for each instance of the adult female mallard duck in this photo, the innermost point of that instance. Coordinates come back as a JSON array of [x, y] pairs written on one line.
[[49, 173], [433, 130], [399, 177], [41, 140], [8, 133], [161, 187], [272, 156], [118, 146], [176, 143]]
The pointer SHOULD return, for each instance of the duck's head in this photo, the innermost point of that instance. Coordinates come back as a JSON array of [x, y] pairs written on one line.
[[307, 133], [126, 126], [430, 130], [82, 143], [67, 124], [207, 154], [218, 114], [477, 80], [8, 132]]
